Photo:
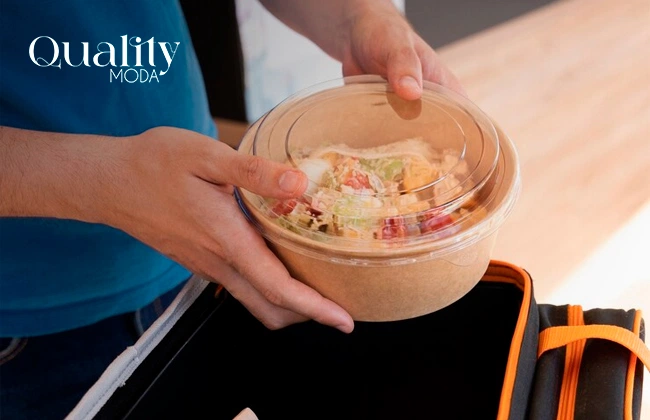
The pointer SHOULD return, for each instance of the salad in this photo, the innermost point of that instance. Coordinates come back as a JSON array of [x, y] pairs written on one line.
[[384, 192]]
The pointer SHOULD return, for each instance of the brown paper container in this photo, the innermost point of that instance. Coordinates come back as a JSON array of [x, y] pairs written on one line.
[[395, 283], [389, 293]]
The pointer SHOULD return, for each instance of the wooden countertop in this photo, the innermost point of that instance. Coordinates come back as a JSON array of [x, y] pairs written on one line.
[[570, 84]]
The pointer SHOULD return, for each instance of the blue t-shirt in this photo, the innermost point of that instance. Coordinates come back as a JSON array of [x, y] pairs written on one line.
[[112, 68]]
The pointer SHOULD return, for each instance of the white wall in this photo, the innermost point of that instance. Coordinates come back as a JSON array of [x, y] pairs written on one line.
[[278, 61]]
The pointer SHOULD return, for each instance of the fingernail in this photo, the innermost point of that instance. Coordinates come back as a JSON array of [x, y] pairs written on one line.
[[290, 181], [408, 82], [346, 328]]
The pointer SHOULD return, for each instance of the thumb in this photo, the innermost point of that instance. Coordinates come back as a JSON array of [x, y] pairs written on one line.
[[404, 71], [256, 174]]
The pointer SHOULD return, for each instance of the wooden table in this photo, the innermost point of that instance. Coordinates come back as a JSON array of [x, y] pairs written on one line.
[[570, 84]]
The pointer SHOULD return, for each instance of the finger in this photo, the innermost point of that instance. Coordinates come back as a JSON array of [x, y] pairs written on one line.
[[207, 257], [434, 70], [223, 165], [279, 288], [404, 71], [351, 68], [273, 317], [246, 414], [272, 280]]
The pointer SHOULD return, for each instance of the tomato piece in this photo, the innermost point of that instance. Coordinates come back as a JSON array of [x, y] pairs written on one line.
[[357, 181], [284, 207], [434, 221], [393, 227]]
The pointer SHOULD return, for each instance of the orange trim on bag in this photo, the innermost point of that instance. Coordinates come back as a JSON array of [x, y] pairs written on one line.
[[631, 370], [504, 272], [572, 362], [554, 337], [501, 279]]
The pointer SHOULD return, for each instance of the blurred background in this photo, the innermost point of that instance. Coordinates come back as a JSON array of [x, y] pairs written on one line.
[[567, 80]]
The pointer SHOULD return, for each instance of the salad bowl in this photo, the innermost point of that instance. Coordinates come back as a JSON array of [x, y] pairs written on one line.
[[405, 198]]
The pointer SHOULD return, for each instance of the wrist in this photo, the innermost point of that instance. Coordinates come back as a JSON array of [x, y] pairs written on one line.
[[87, 184], [108, 163], [356, 11]]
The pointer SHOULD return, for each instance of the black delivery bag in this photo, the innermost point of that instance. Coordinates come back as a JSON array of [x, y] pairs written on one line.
[[494, 354]]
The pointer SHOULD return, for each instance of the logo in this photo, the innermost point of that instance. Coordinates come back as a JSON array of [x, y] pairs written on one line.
[[133, 61]]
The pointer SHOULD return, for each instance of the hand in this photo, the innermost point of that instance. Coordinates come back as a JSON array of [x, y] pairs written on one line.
[[177, 197], [379, 40]]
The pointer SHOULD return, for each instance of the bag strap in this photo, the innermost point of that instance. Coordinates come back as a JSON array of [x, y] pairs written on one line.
[[572, 362], [555, 337], [573, 337]]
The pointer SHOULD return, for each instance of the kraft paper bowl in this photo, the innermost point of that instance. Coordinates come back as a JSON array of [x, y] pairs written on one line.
[[374, 274]]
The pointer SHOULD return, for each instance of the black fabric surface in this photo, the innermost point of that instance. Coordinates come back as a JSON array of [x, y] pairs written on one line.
[[601, 384], [550, 368], [449, 364], [215, 35]]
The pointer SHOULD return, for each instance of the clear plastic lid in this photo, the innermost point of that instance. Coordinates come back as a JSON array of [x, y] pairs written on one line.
[[384, 173]]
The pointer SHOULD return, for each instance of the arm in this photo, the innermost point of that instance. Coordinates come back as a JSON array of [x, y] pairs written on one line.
[[55, 175], [171, 189], [32, 184], [367, 36], [79, 176]]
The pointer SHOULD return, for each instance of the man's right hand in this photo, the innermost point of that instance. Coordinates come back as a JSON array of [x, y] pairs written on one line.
[[173, 190]]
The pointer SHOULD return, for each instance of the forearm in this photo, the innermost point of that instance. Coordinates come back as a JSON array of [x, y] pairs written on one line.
[[326, 22], [57, 175]]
